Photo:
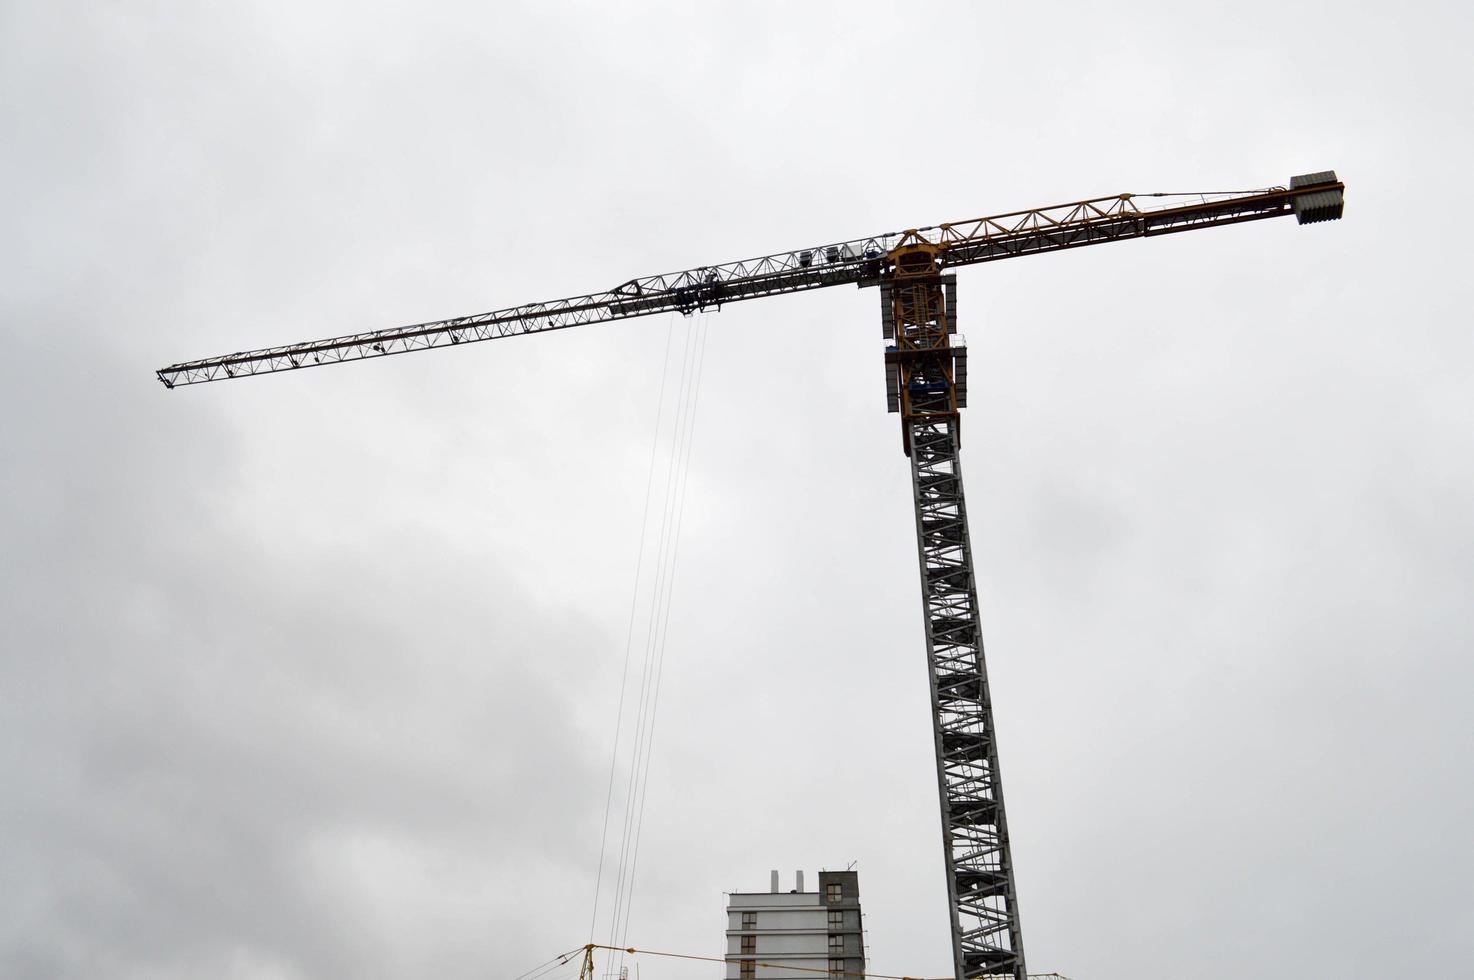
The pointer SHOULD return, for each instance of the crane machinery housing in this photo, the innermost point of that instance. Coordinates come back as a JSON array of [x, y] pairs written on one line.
[[926, 384]]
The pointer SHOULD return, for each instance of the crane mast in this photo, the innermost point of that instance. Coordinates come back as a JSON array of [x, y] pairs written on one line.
[[926, 384], [919, 314]]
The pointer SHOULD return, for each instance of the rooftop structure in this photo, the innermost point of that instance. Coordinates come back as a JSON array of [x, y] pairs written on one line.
[[794, 934]]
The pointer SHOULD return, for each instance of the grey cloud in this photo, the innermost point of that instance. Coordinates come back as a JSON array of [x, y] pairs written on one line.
[[316, 675]]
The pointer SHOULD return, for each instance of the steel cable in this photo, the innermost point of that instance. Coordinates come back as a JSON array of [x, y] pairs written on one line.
[[790, 966], [542, 968], [683, 472], [662, 585], [630, 627]]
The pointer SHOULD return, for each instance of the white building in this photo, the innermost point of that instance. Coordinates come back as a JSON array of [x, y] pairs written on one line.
[[796, 935]]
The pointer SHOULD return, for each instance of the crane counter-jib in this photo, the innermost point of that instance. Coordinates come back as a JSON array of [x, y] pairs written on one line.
[[863, 261]]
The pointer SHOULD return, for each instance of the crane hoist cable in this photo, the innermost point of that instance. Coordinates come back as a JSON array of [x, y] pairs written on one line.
[[673, 488], [659, 632], [662, 636], [630, 625]]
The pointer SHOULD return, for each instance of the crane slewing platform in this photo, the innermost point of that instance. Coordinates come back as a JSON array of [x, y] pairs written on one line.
[[926, 384]]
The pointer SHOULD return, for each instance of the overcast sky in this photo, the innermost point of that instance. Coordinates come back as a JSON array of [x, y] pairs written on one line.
[[316, 675]]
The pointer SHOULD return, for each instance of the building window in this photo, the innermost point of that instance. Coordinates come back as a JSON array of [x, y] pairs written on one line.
[[749, 944], [832, 892], [749, 920], [836, 945], [836, 966], [836, 920], [748, 969]]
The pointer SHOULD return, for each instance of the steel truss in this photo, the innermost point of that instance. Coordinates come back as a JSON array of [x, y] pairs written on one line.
[[924, 383], [986, 937], [860, 261]]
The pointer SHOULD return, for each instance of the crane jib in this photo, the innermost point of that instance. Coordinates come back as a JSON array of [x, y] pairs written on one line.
[[863, 262]]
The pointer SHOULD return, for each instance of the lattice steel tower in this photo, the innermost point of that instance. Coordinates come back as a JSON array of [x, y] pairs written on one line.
[[926, 382]]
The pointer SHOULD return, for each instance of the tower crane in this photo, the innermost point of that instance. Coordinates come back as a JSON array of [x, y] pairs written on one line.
[[926, 385]]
